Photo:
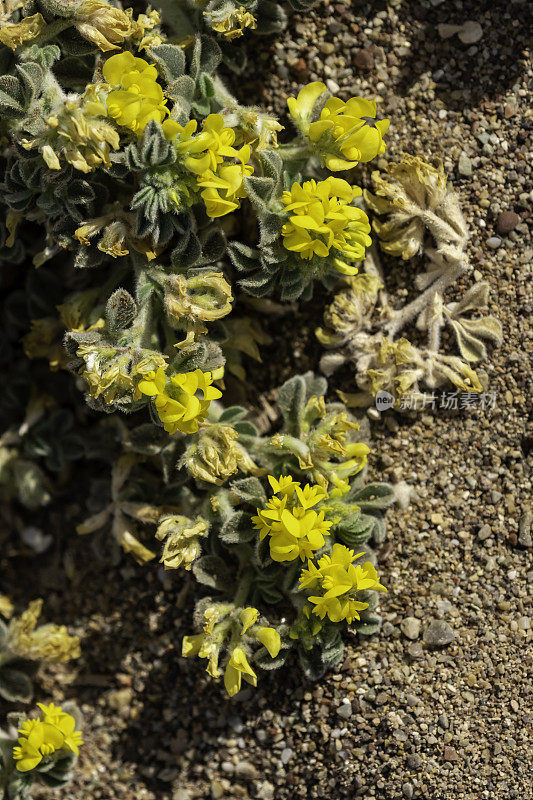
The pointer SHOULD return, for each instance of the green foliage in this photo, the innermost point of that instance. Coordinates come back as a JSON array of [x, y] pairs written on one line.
[[144, 225]]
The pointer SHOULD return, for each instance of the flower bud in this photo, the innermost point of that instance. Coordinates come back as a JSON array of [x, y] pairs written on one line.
[[205, 297]]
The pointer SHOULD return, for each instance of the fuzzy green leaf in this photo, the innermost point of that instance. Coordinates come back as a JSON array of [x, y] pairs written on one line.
[[170, 61], [120, 310], [15, 685], [249, 490], [374, 497], [212, 571]]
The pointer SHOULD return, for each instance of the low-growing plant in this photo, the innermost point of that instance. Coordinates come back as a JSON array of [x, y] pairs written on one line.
[[161, 208]]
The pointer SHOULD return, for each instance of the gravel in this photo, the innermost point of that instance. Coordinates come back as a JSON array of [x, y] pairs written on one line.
[[468, 735]]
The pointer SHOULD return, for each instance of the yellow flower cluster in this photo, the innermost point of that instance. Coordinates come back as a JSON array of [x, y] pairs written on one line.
[[322, 219], [136, 96], [338, 580], [78, 135], [112, 373], [40, 738], [176, 400], [47, 642], [216, 627], [345, 133], [295, 528], [204, 154], [219, 168]]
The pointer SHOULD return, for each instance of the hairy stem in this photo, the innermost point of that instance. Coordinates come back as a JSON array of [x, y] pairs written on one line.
[[295, 152], [243, 589], [401, 317]]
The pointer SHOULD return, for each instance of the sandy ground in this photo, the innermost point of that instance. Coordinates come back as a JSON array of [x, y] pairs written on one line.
[[398, 719]]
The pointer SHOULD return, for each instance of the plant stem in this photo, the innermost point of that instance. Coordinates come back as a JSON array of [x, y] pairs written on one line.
[[243, 588], [295, 152], [402, 316]]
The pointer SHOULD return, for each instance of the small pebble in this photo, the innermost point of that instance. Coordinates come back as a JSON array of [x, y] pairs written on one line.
[[471, 32], [246, 770], [345, 710], [286, 755], [524, 530], [415, 650], [364, 59], [506, 221], [465, 165], [494, 242], [450, 754], [438, 634], [410, 627], [484, 532]]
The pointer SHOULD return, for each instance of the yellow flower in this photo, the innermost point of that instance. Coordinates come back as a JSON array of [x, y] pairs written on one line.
[[209, 148], [137, 98], [295, 529], [6, 606], [13, 34], [339, 580], [237, 668], [249, 617], [181, 135], [176, 400], [143, 32], [54, 715], [269, 638], [42, 740], [323, 220], [47, 642], [301, 107], [103, 25], [77, 134], [233, 24], [182, 540], [224, 188], [356, 457], [203, 155], [345, 133], [190, 645]]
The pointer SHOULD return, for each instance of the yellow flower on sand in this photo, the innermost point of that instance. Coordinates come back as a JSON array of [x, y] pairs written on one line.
[[322, 220], [345, 133], [295, 528], [338, 580], [136, 97], [176, 400], [40, 738], [236, 669]]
